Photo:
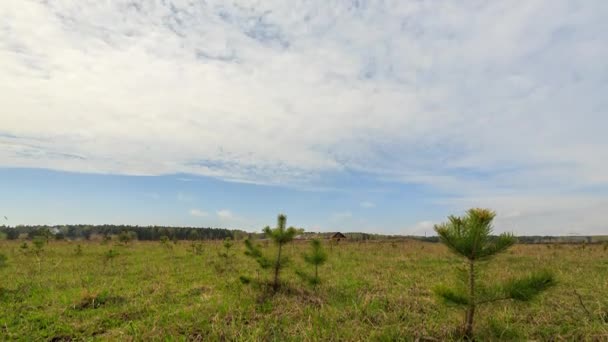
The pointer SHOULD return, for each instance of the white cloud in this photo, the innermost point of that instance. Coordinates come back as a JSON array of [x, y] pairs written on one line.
[[225, 214], [472, 99], [198, 213], [536, 214], [367, 204]]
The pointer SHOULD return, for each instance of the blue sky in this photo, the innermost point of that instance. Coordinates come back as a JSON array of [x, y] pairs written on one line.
[[377, 116]]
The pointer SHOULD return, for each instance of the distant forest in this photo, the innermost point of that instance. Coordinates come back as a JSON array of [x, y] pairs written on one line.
[[146, 233], [154, 233]]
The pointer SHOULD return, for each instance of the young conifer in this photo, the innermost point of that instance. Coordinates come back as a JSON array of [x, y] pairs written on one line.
[[317, 257], [280, 236], [471, 237]]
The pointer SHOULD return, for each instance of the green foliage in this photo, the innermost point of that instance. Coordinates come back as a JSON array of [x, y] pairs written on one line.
[[39, 242], [530, 286], [125, 237], [244, 280], [227, 244], [280, 236], [3, 260], [316, 257], [110, 255], [197, 247], [255, 252], [470, 236], [78, 250], [182, 299], [451, 296]]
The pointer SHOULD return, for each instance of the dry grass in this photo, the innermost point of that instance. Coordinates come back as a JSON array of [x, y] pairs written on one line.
[[370, 291]]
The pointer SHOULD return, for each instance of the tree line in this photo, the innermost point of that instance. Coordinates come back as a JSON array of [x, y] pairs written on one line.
[[145, 233]]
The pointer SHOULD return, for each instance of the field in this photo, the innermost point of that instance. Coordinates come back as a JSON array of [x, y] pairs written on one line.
[[369, 291]]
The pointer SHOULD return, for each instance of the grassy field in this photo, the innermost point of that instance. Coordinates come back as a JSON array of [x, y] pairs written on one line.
[[369, 291]]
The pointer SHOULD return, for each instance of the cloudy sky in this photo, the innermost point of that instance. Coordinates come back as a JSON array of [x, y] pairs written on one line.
[[369, 116]]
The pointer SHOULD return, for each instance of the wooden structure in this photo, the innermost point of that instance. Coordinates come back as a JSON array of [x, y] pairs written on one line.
[[337, 236]]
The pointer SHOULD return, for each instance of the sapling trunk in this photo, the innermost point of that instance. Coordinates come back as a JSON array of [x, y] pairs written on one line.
[[471, 307], [277, 268]]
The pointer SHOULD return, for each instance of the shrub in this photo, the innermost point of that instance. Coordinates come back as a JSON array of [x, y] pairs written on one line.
[[470, 237], [125, 237], [164, 241], [110, 255], [227, 246], [197, 247], [39, 242]]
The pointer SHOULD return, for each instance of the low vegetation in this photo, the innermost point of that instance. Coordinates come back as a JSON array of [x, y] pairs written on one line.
[[362, 290]]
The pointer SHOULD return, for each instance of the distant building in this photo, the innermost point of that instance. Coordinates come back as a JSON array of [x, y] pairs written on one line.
[[337, 236]]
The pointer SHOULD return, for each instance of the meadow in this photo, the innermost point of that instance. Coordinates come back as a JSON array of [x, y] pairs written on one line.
[[369, 291]]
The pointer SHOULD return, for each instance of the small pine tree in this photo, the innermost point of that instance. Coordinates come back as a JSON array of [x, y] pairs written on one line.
[[39, 242], [197, 247], [2, 260], [227, 244], [78, 250], [164, 241], [317, 257], [470, 237], [281, 236], [125, 237], [109, 255]]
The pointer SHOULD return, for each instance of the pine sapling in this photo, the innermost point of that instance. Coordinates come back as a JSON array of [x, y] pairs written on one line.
[[471, 237], [164, 241], [255, 252], [2, 260], [280, 236], [317, 257], [227, 245], [197, 247]]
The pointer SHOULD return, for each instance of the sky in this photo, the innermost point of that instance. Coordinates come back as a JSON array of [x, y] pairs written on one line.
[[372, 116]]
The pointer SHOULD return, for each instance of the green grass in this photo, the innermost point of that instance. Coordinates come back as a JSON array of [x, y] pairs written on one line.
[[369, 291]]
